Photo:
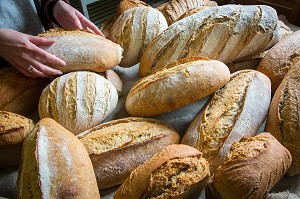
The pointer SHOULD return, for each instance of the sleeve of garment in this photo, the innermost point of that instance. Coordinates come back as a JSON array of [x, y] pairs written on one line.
[[47, 10]]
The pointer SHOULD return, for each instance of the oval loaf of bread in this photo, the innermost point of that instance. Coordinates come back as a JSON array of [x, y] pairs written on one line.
[[234, 111], [134, 30], [280, 58], [55, 164], [119, 146], [82, 50], [13, 130], [177, 171], [253, 166], [284, 116], [78, 100], [176, 85], [173, 9], [224, 33]]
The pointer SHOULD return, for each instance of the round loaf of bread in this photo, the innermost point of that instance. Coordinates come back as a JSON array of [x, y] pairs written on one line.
[[119, 146], [224, 33], [284, 116], [82, 50], [134, 30], [55, 164], [78, 100], [280, 58], [252, 168], [234, 111], [176, 85], [177, 171]]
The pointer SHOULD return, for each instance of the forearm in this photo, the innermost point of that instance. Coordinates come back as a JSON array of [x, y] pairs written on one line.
[[47, 8]]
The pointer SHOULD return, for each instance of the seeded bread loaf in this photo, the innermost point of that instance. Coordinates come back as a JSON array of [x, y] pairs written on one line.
[[13, 130], [280, 58], [253, 166], [178, 171], [78, 100], [234, 111], [173, 9], [55, 164], [82, 50], [225, 33], [20, 94], [178, 84], [119, 146], [283, 119], [134, 30]]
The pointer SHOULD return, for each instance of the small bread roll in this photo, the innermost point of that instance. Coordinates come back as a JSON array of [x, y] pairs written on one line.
[[234, 111], [178, 84], [178, 171], [253, 166], [13, 130], [119, 146], [55, 164]]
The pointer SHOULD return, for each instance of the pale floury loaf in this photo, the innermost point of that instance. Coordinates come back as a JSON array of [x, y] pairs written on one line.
[[78, 100], [225, 33], [236, 110], [134, 30]]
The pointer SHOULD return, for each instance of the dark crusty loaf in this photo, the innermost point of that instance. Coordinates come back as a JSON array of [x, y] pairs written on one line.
[[284, 116], [176, 85], [234, 111], [20, 94], [280, 58], [82, 50], [252, 168], [119, 146], [55, 164], [178, 171], [225, 33], [13, 130]]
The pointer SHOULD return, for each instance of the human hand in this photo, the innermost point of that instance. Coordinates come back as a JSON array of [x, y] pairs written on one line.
[[21, 51], [69, 17]]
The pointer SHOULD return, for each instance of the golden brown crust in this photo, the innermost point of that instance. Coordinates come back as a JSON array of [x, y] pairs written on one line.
[[139, 182], [284, 116], [253, 167], [127, 4]]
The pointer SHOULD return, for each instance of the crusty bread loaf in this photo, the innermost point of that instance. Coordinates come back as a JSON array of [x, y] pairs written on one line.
[[280, 58], [173, 9], [13, 130], [224, 33], [178, 171], [55, 164], [119, 146], [134, 30], [284, 116], [82, 50], [125, 5], [178, 84], [253, 166], [20, 94], [234, 111], [78, 100], [114, 78]]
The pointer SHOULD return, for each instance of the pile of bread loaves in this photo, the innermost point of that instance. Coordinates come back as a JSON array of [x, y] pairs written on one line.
[[187, 50]]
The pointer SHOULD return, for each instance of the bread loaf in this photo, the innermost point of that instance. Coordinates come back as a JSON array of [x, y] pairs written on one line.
[[280, 58], [173, 9], [119, 146], [253, 166], [178, 171], [82, 50], [78, 100], [20, 94], [13, 130], [134, 30], [128, 4], [114, 78], [55, 165], [178, 84], [283, 119], [234, 111], [224, 33]]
